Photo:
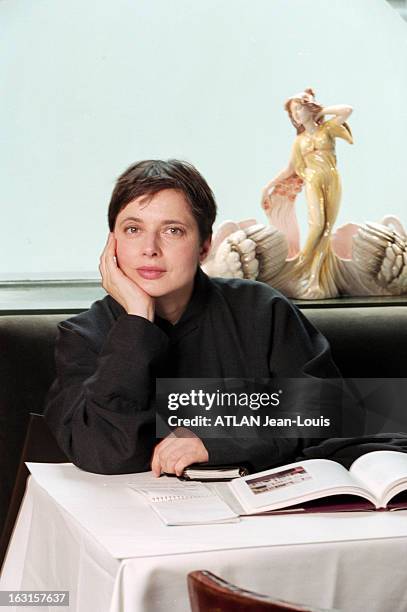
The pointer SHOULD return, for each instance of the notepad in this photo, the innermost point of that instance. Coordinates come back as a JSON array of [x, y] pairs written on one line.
[[186, 504], [213, 473]]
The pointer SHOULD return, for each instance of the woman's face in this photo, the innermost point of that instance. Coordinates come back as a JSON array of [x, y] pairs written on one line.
[[300, 112], [158, 243]]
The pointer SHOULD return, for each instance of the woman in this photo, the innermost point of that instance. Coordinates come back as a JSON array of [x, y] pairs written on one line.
[[164, 318], [313, 161]]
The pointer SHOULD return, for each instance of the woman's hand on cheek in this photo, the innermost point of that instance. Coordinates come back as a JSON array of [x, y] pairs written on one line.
[[125, 291]]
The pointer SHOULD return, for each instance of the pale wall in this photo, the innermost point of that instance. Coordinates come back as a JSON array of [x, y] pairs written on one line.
[[90, 86]]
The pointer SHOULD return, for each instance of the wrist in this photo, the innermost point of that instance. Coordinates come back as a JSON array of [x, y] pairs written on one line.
[[146, 313]]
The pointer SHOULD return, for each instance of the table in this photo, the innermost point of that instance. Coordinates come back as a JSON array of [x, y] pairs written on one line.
[[90, 534]]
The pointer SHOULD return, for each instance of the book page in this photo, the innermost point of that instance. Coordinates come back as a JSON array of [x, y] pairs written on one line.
[[223, 490], [295, 483], [381, 472]]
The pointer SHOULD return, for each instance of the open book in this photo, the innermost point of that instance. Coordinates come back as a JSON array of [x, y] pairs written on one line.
[[375, 481]]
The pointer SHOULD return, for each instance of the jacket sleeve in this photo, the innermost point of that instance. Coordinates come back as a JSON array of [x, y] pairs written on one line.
[[99, 407], [296, 351]]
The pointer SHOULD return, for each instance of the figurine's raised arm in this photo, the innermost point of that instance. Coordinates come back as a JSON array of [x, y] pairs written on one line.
[[341, 113]]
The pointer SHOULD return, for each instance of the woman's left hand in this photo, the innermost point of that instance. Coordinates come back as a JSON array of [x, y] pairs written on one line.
[[178, 450], [123, 289]]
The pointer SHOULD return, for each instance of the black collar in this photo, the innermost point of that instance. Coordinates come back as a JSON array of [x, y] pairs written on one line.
[[190, 317]]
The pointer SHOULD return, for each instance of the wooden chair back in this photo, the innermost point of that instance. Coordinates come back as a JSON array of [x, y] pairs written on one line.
[[209, 593]]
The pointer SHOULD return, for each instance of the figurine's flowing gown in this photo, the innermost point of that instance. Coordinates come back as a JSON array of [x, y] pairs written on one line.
[[315, 271]]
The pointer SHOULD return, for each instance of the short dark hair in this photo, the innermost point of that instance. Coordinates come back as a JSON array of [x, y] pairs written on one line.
[[153, 175]]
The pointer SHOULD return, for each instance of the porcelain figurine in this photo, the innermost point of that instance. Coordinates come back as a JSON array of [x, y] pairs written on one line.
[[312, 166], [355, 260]]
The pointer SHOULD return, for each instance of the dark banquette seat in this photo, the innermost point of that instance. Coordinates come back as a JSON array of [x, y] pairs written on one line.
[[366, 342]]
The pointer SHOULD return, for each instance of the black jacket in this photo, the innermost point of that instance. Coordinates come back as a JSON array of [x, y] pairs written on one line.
[[100, 406]]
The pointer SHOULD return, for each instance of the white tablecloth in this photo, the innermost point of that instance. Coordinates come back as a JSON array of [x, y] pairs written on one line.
[[92, 536]]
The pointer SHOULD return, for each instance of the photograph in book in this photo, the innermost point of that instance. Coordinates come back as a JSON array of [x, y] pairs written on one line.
[[375, 481], [283, 478]]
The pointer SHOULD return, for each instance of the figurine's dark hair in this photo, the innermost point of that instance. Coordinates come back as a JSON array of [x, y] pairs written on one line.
[[150, 176], [307, 98]]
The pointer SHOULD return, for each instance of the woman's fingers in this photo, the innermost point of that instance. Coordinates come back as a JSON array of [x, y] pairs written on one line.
[[102, 260], [183, 463], [108, 263], [166, 461], [173, 454], [156, 462]]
